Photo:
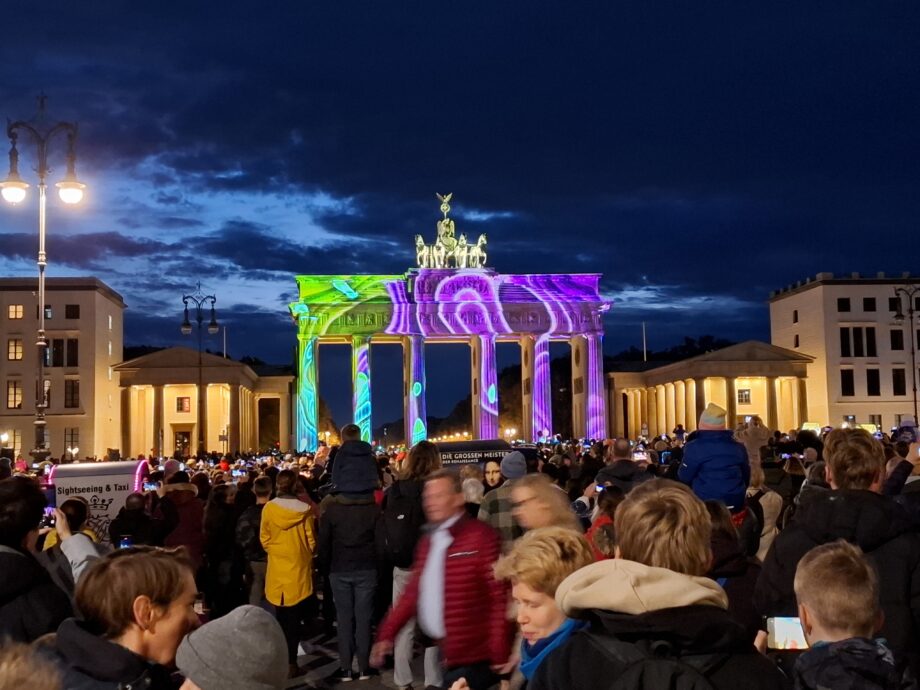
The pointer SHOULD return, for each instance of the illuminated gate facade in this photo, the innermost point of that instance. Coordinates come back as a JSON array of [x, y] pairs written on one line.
[[449, 298]]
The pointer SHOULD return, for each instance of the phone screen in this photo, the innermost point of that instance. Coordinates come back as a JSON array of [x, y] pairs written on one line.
[[48, 518], [125, 543], [664, 457], [150, 486], [599, 487], [640, 455], [785, 633]]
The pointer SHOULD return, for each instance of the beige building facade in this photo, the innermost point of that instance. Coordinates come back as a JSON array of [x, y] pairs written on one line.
[[159, 404], [84, 327], [747, 379], [862, 371]]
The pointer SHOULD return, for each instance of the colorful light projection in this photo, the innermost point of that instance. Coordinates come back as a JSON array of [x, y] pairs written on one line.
[[478, 306]]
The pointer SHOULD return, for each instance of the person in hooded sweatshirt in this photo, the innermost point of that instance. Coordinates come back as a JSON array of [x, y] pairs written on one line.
[[853, 510], [653, 617], [288, 536], [347, 549], [837, 591]]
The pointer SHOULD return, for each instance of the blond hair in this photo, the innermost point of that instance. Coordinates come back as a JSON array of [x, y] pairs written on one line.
[[23, 667], [662, 524], [840, 588], [423, 459], [544, 557], [856, 460], [555, 502]]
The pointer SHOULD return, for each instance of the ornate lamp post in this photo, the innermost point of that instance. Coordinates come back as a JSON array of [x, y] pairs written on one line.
[[13, 190], [909, 291], [199, 300]]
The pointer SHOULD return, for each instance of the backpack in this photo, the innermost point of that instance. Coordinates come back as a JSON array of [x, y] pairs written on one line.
[[400, 526], [653, 665]]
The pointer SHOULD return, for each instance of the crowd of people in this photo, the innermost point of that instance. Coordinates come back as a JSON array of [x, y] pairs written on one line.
[[722, 557]]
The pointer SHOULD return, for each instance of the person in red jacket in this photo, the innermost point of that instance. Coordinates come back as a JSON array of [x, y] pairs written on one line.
[[452, 591]]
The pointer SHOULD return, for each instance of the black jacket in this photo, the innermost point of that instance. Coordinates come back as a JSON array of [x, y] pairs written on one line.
[[881, 528], [247, 534], [690, 630], [625, 474], [347, 533], [142, 528], [31, 605], [90, 662], [737, 573], [853, 664]]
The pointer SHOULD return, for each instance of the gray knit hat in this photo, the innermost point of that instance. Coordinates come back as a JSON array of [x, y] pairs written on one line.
[[514, 465], [244, 650]]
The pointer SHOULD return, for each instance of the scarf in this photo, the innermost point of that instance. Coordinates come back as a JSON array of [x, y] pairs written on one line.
[[532, 655]]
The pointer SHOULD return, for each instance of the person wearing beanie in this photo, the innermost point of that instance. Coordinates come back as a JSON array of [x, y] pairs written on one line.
[[203, 659], [495, 508], [715, 465], [347, 549]]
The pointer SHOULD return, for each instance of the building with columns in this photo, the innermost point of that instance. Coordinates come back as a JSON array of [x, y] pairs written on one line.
[[750, 378], [159, 404]]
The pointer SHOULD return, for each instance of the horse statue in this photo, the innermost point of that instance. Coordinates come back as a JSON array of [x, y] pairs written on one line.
[[477, 255]]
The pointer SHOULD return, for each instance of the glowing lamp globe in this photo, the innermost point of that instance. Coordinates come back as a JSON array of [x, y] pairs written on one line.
[[71, 191], [13, 190]]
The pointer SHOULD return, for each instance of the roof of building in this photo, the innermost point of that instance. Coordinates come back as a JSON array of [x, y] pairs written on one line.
[[843, 279], [66, 283], [177, 357]]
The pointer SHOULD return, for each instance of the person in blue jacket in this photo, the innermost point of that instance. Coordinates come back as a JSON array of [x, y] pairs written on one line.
[[715, 465]]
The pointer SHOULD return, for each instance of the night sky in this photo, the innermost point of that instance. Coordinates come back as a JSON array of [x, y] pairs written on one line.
[[699, 155]]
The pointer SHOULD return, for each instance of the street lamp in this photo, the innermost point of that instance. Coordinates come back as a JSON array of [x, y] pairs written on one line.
[[909, 291], [199, 300], [13, 189], [73, 453]]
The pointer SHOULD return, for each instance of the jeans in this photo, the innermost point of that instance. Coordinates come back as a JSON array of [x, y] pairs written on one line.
[[291, 619], [402, 649], [479, 676], [257, 582], [354, 604]]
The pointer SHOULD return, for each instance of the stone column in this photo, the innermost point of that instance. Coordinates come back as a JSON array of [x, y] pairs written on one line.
[[680, 398], [202, 422], [802, 398], [361, 384], [126, 424], [731, 402], [670, 408], [579, 386], [484, 375], [595, 418], [772, 411], [414, 388], [535, 387], [158, 440], [307, 393], [662, 400], [233, 419], [652, 395]]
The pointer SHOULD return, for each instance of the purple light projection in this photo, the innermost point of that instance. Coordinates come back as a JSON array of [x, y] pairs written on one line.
[[478, 306]]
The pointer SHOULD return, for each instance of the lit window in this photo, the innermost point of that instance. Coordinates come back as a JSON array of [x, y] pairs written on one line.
[[183, 405], [14, 311], [14, 349], [744, 396], [13, 395], [71, 437]]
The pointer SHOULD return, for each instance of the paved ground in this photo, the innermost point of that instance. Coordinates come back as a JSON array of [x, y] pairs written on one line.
[[322, 660]]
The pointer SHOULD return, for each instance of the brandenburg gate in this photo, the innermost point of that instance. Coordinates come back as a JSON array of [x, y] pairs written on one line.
[[452, 297]]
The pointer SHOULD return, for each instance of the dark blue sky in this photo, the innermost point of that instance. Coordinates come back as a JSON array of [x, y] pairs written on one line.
[[698, 154]]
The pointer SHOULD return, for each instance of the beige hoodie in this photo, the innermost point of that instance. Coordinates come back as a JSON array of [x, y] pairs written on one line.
[[632, 588]]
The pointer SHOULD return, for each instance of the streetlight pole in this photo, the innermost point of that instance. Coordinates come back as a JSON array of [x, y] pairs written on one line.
[[909, 291], [13, 190], [199, 300]]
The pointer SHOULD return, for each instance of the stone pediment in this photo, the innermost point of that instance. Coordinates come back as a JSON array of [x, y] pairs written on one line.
[[176, 358], [752, 351]]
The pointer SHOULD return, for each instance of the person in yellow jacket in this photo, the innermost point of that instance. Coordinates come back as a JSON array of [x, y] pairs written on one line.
[[288, 535]]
